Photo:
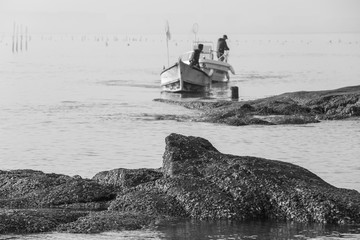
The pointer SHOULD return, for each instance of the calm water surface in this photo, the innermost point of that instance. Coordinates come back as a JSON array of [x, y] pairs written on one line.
[[221, 230], [78, 105]]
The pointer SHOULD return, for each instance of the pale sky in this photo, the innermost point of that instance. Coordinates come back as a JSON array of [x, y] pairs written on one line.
[[149, 16]]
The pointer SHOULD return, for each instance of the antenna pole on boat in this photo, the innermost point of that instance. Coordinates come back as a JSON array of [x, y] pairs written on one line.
[[167, 47], [168, 37], [195, 29]]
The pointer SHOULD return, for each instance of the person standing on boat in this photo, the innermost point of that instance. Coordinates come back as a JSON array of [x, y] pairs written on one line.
[[221, 47], [194, 59]]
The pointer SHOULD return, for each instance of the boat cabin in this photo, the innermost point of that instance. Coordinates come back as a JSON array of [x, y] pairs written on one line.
[[207, 52]]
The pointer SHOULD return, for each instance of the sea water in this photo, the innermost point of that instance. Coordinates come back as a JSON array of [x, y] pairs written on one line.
[[81, 104]]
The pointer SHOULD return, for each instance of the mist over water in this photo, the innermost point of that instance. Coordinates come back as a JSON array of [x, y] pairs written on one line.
[[81, 104]]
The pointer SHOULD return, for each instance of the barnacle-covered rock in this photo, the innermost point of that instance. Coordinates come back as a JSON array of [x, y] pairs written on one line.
[[35, 220], [35, 189], [197, 181], [250, 188], [288, 108], [123, 178], [97, 222]]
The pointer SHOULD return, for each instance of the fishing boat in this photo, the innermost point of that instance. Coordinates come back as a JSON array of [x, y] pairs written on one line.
[[181, 77], [220, 69]]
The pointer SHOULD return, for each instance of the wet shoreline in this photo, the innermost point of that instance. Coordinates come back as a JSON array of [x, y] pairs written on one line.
[[288, 108]]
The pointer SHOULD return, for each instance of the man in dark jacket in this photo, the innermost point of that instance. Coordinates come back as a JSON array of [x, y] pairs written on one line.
[[194, 60], [221, 47]]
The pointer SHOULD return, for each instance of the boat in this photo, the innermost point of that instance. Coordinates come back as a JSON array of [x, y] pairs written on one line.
[[181, 77], [220, 69]]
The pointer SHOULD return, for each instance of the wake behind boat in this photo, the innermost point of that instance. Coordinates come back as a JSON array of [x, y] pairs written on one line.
[[181, 77]]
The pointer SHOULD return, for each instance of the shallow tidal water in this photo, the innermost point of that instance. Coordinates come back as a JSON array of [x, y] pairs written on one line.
[[220, 230], [78, 105]]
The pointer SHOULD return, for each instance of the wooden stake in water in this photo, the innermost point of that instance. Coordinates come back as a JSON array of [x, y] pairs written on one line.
[[13, 38], [21, 37], [17, 38], [26, 38], [234, 93]]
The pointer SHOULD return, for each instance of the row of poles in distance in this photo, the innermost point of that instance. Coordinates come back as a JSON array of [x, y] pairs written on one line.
[[19, 36]]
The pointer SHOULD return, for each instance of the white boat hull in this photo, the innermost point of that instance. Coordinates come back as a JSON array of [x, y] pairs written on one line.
[[183, 78], [220, 69]]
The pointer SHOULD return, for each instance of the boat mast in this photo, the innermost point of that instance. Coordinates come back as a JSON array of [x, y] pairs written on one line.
[[195, 29], [168, 37]]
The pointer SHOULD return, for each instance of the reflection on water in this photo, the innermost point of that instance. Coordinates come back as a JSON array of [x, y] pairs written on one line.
[[220, 230], [218, 91], [221, 91], [184, 95], [251, 230]]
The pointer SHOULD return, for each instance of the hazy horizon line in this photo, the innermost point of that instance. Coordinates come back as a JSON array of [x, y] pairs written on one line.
[[184, 33]]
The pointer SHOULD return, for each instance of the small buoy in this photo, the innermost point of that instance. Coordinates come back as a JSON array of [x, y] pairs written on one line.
[[234, 93]]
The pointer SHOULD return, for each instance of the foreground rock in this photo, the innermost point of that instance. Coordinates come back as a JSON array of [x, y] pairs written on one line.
[[196, 181], [288, 108], [250, 187], [35, 189], [97, 222], [123, 178], [36, 220]]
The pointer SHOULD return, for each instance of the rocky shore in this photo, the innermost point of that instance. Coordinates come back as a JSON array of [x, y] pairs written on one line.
[[288, 108], [196, 181]]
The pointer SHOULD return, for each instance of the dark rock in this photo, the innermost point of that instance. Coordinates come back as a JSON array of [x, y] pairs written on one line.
[[35, 189], [247, 108], [283, 106], [97, 222], [94, 206], [123, 178], [77, 191], [35, 220], [290, 108], [197, 182], [182, 151], [259, 188], [149, 200], [200, 199]]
